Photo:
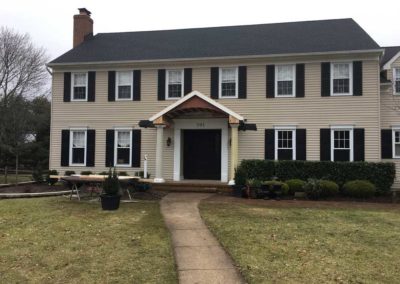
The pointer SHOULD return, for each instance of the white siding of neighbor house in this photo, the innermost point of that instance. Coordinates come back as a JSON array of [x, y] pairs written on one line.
[[311, 112]]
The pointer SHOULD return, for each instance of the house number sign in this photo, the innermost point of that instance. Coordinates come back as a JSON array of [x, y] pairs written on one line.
[[200, 124]]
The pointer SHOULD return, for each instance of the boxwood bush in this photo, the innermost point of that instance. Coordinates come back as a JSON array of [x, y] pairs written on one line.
[[317, 189], [359, 189], [381, 174], [285, 187], [295, 185]]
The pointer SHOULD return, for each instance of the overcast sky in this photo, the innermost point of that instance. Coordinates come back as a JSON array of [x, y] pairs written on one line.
[[49, 22]]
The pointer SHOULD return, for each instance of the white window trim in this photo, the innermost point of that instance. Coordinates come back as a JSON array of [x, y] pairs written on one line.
[[167, 97], [294, 82], [71, 143], [116, 130], [236, 82], [395, 70], [86, 87], [394, 129], [342, 128], [117, 85], [350, 93], [285, 128]]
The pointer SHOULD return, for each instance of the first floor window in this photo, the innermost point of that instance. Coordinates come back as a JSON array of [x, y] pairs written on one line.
[[342, 145], [396, 143], [174, 84], [228, 82], [123, 147], [79, 86], [78, 147], [285, 139], [285, 80], [341, 78], [397, 81], [124, 85]]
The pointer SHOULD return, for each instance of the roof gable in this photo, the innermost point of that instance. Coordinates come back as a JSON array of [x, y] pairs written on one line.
[[391, 54]]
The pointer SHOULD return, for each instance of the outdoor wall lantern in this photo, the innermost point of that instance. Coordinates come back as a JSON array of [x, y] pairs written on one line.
[[169, 141]]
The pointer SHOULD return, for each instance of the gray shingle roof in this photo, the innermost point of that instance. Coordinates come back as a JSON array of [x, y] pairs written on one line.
[[264, 39], [390, 51]]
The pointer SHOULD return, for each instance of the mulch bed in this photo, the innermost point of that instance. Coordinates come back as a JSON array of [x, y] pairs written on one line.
[[32, 188]]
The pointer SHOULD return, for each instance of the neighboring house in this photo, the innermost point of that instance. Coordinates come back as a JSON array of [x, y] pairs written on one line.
[[197, 101]]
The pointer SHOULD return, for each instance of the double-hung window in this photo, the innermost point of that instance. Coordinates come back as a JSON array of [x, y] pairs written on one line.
[[341, 79], [79, 86], [78, 147], [285, 80], [285, 144], [342, 144], [228, 86], [396, 75], [124, 88], [174, 84], [123, 147], [396, 143]]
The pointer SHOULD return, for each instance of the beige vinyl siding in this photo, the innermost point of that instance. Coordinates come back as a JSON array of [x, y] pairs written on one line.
[[311, 112]]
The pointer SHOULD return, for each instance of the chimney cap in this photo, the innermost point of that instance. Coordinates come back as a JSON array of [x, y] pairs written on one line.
[[84, 11]]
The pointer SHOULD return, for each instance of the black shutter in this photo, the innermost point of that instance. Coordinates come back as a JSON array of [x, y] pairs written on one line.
[[214, 82], [67, 86], [65, 148], [325, 144], [137, 75], [111, 86], [386, 144], [242, 82], [270, 81], [90, 150], [301, 144], [357, 78], [325, 79], [110, 135], [300, 80], [161, 85], [187, 80], [359, 144], [136, 146], [269, 144], [91, 86]]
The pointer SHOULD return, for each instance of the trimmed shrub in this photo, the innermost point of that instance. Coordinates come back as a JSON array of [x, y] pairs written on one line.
[[103, 173], [381, 174], [295, 185], [285, 187], [37, 175], [122, 174], [359, 189], [51, 181], [240, 176], [317, 189], [69, 173], [86, 173]]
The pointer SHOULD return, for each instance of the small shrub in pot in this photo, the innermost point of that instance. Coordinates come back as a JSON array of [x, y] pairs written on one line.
[[86, 173], [69, 173], [359, 189], [295, 185], [111, 197], [49, 180]]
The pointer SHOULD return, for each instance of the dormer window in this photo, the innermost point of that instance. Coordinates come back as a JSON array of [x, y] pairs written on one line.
[[341, 79], [124, 85], [174, 84], [79, 86], [396, 75]]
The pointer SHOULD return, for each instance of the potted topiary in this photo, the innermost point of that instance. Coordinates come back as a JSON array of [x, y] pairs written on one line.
[[240, 182], [49, 179], [111, 197]]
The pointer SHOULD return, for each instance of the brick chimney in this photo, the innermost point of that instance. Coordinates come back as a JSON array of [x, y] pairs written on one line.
[[83, 26]]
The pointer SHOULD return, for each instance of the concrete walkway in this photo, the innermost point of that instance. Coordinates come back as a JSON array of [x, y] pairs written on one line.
[[199, 256]]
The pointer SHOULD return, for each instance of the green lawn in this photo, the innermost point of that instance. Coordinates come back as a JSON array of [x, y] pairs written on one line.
[[11, 178], [300, 245], [55, 240]]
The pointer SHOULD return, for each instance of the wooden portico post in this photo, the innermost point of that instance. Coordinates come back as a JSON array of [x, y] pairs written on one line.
[[159, 150], [234, 123]]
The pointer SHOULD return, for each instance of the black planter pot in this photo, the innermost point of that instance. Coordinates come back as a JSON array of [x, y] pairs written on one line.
[[110, 202]]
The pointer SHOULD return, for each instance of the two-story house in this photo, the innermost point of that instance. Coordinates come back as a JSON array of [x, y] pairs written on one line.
[[195, 102]]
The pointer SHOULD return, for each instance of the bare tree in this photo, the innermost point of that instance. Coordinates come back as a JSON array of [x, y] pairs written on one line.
[[23, 74]]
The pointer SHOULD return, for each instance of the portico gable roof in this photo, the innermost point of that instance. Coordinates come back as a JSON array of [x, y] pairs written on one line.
[[195, 94]]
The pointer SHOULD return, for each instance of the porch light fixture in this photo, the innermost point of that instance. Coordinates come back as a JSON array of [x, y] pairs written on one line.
[[169, 141]]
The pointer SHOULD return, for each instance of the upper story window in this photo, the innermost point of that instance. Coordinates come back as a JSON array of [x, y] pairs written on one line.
[[124, 87], [396, 73], [123, 148], [78, 147], [285, 80], [285, 141], [79, 86], [341, 78], [174, 84], [342, 144], [228, 87]]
